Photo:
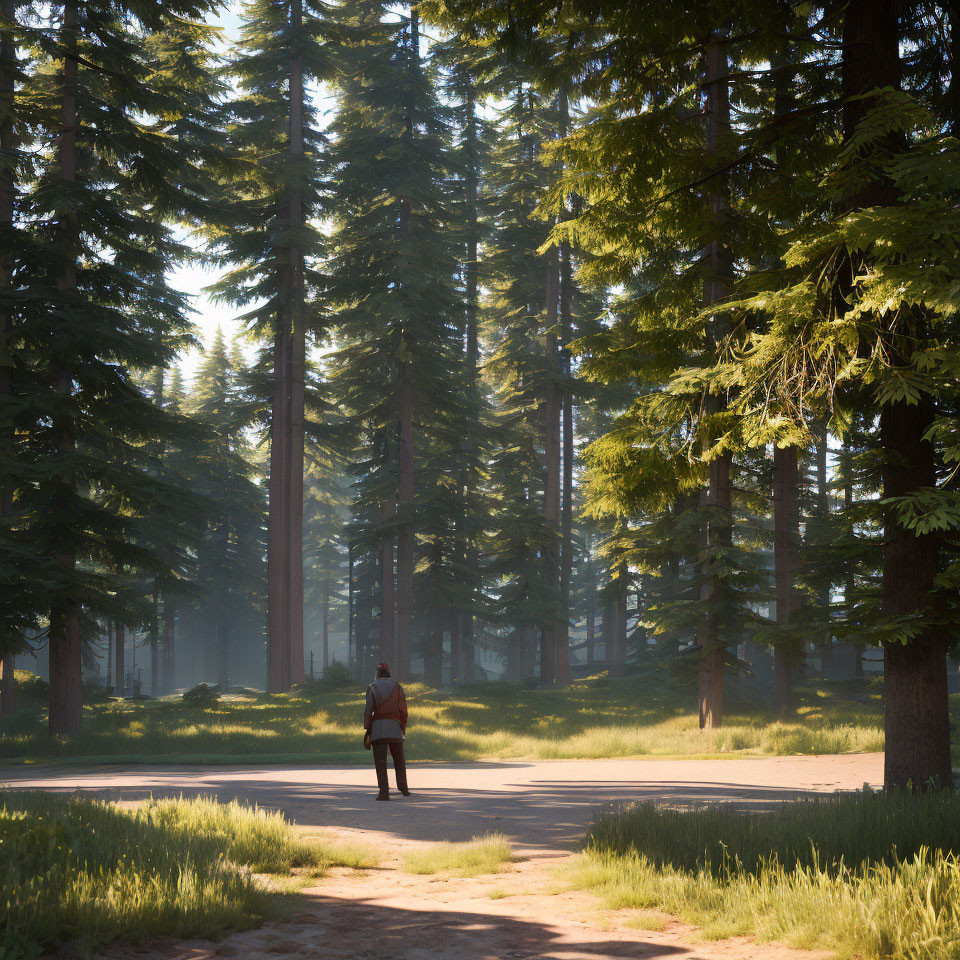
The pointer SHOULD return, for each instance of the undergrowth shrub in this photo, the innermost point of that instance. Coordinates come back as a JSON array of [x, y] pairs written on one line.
[[202, 695]]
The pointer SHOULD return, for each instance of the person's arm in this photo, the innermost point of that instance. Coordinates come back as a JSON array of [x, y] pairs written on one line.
[[368, 711], [403, 712]]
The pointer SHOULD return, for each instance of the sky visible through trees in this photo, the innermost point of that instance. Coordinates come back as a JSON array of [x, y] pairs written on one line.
[[497, 341]]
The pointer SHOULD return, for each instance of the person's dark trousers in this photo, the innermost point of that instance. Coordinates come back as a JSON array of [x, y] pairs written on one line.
[[399, 765]]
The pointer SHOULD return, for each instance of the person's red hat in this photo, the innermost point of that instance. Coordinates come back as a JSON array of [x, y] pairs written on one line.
[[382, 666]]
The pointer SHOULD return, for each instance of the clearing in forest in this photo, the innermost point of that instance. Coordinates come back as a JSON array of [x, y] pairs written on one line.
[[643, 714]]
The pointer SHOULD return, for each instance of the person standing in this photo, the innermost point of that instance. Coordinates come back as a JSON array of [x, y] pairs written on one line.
[[385, 722]]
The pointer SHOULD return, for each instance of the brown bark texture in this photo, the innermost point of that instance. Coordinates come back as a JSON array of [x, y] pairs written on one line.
[[65, 707], [825, 646], [618, 662], [325, 628], [223, 646], [566, 404], [549, 629], [405, 402], [169, 643], [387, 597], [278, 555], [472, 299], [119, 672], [786, 536], [285, 661], [916, 706], [297, 326], [405, 537]]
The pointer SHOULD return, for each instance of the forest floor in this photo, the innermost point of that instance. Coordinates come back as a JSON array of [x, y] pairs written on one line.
[[643, 714], [525, 911]]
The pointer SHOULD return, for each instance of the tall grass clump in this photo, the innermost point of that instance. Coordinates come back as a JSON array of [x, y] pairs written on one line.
[[88, 871], [480, 855], [259, 839], [865, 827], [874, 875]]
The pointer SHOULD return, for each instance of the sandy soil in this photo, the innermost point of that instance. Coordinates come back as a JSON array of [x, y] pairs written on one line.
[[543, 807]]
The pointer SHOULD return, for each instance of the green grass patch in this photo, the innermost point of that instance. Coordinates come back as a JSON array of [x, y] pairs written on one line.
[[638, 715], [92, 872], [480, 855], [647, 920], [873, 875]]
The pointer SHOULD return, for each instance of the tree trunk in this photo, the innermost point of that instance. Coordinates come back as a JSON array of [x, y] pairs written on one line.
[[325, 627], [461, 637], [154, 640], [513, 669], [530, 652], [823, 511], [591, 598], [916, 714], [387, 596], [550, 628], [619, 662], [456, 646], [786, 533], [365, 589], [8, 70], [850, 585], [64, 632], [297, 326], [405, 539], [405, 402], [285, 538], [110, 655], [566, 515], [471, 277], [351, 648], [223, 645], [716, 498], [433, 655], [608, 629], [787, 653], [278, 547], [468, 651], [169, 642], [591, 631], [155, 685], [120, 675], [712, 645], [8, 686]]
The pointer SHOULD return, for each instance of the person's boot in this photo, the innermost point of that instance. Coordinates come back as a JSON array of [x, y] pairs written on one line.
[[406, 793], [383, 796]]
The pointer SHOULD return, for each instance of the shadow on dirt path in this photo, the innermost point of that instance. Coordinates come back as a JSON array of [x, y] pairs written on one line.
[[523, 913], [539, 805]]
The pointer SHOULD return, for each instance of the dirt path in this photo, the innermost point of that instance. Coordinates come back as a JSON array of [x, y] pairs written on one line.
[[542, 807]]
